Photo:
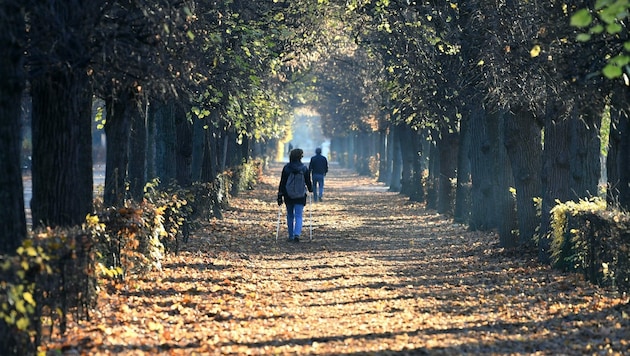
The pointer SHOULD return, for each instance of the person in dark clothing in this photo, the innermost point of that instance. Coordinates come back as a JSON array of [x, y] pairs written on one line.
[[295, 207], [318, 168]]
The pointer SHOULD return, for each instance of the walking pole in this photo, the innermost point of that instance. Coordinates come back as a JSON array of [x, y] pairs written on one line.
[[278, 227], [310, 211]]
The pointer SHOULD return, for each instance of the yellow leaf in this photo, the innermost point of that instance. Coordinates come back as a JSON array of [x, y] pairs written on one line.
[[22, 323], [535, 52], [153, 326], [20, 307], [29, 298]]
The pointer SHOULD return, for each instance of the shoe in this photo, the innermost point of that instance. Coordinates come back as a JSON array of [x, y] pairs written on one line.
[[296, 239]]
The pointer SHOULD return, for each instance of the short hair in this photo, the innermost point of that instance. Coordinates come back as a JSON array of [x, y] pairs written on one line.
[[296, 155]]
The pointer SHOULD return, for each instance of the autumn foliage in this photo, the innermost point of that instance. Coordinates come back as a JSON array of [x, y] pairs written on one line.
[[382, 275]]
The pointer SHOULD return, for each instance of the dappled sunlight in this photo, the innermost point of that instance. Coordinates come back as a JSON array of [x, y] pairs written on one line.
[[382, 274]]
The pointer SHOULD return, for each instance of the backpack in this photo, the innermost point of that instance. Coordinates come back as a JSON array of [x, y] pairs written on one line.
[[296, 185]]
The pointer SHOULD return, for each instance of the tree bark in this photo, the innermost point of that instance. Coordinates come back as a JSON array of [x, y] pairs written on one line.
[[585, 148], [396, 153], [383, 157], [364, 153], [433, 181], [482, 155], [419, 159], [556, 170], [165, 142], [12, 217], [448, 145], [210, 164], [184, 154], [117, 131], [198, 147], [462, 193], [62, 148], [506, 206], [523, 141], [408, 151], [137, 152], [618, 160]]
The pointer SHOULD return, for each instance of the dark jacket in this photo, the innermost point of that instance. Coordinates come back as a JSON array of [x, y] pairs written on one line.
[[288, 168], [319, 164]]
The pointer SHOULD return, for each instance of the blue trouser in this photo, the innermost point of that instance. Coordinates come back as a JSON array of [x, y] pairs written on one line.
[[318, 186], [294, 219]]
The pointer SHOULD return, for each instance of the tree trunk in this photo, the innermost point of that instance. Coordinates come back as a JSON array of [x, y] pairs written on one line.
[[462, 193], [383, 157], [585, 148], [482, 155], [62, 149], [396, 174], [363, 153], [12, 217], [165, 142], [184, 154], [433, 180], [210, 165], [117, 130], [198, 148], [556, 170], [151, 141], [408, 151], [506, 205], [448, 146], [137, 152], [571, 164], [618, 160], [523, 137], [418, 138]]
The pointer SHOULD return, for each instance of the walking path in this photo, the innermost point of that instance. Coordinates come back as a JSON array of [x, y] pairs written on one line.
[[381, 276]]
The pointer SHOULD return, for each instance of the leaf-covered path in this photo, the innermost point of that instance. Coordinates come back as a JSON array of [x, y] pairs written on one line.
[[381, 276]]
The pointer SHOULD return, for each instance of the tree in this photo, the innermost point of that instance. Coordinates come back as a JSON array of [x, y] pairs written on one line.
[[59, 60], [609, 23], [12, 80]]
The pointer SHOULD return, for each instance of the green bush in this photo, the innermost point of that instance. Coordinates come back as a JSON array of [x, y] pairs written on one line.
[[49, 276], [566, 245], [58, 271], [589, 239], [245, 176], [129, 239]]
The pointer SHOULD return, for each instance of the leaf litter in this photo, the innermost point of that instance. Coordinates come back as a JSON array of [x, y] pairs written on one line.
[[382, 275]]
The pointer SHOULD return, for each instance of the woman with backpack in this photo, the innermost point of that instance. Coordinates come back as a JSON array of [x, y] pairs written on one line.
[[294, 182]]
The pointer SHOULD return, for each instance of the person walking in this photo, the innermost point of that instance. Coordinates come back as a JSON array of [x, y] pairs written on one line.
[[294, 181], [318, 168]]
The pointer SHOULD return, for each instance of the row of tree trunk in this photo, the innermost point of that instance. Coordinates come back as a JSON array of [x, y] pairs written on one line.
[[503, 170]]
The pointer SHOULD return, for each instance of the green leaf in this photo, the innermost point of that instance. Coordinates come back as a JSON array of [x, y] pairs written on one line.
[[583, 37], [601, 3], [608, 16], [582, 18], [626, 46], [611, 71], [619, 60], [597, 29], [613, 28]]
